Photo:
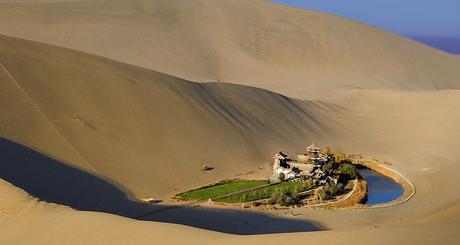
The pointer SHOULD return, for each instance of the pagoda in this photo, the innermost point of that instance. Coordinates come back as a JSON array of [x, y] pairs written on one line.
[[313, 154]]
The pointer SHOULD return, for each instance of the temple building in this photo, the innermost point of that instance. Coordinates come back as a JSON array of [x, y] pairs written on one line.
[[306, 165], [313, 154]]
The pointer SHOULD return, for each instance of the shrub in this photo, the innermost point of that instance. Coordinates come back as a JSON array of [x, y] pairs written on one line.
[[331, 188], [309, 183], [295, 193], [323, 195], [283, 197], [244, 198], [349, 170], [287, 200], [340, 187], [327, 188], [277, 197], [281, 177], [327, 167], [332, 160]]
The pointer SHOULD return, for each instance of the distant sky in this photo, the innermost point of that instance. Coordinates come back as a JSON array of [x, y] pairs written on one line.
[[434, 22]]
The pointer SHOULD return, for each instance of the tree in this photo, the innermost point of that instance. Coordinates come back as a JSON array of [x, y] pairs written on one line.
[[244, 198], [309, 184], [323, 195], [340, 187], [327, 167], [332, 160], [287, 200], [277, 197], [283, 197], [349, 170], [331, 188], [295, 193], [281, 177]]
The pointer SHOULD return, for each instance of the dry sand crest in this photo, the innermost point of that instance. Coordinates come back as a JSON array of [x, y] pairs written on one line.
[[149, 132]]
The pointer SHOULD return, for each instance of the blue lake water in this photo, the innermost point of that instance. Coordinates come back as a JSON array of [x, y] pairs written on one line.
[[380, 189]]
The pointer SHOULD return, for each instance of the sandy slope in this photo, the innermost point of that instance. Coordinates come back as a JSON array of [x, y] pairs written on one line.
[[164, 128], [151, 132], [218, 123], [295, 52], [60, 225]]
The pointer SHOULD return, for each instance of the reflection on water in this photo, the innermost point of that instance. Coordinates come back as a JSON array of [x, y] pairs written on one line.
[[380, 188]]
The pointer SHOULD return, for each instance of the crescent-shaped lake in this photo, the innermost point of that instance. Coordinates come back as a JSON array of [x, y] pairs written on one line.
[[380, 188]]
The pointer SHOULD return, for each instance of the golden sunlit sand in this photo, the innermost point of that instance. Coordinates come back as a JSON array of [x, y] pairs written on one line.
[[104, 102]]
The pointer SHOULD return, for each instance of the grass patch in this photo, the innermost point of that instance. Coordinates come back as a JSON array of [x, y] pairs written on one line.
[[265, 192], [220, 189]]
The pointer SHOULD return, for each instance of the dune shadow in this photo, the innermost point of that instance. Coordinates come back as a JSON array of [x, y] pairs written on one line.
[[53, 181]]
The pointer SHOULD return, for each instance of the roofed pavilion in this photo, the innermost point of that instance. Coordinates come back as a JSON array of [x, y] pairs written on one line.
[[313, 152]]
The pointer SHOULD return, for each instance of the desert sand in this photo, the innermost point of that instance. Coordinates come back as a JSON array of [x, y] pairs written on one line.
[[296, 52], [104, 103]]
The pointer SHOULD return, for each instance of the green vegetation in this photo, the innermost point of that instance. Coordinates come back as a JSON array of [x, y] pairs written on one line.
[[290, 189], [324, 195], [220, 189], [349, 170], [281, 197], [309, 184], [329, 190], [328, 167], [284, 196], [283, 193], [281, 177]]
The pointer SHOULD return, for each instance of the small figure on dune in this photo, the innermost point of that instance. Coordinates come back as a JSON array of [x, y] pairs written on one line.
[[78, 118], [205, 168]]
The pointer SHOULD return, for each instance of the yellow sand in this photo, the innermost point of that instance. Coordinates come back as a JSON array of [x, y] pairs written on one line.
[[296, 52], [378, 94]]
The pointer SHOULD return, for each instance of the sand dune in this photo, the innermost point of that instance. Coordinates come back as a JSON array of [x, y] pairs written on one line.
[[93, 228], [162, 127], [119, 127], [298, 53], [150, 132]]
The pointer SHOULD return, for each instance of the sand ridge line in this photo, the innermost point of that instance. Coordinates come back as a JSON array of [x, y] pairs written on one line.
[[44, 116]]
